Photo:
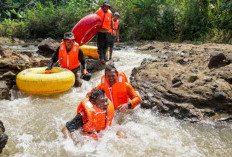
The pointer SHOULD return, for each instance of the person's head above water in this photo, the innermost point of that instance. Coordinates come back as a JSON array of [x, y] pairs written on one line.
[[111, 74], [99, 98]]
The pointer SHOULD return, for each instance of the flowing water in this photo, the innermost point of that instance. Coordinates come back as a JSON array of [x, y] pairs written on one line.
[[34, 123]]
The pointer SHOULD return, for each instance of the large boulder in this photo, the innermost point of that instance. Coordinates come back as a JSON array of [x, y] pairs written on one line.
[[184, 86], [48, 47], [3, 137]]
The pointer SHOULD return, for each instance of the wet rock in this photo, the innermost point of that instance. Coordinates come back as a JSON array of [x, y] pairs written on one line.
[[48, 47], [4, 90], [116, 59], [3, 137], [146, 60], [118, 47], [217, 59], [94, 65]]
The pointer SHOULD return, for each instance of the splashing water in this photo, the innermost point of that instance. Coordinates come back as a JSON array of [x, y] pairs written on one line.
[[34, 123]]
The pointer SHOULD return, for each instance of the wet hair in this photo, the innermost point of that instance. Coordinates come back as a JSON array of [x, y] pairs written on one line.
[[110, 68], [95, 94]]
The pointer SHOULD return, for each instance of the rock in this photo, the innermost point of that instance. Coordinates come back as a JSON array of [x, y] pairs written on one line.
[[116, 59], [1, 50], [192, 78], [216, 59], [4, 90], [3, 137], [175, 80], [8, 75], [219, 95], [40, 39], [94, 65], [48, 47], [177, 84], [28, 53], [146, 60], [209, 79], [180, 92], [229, 59]]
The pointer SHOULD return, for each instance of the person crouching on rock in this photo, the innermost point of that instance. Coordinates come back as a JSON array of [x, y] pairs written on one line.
[[70, 56], [93, 115]]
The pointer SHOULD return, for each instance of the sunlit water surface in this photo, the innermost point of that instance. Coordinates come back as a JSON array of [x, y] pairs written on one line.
[[33, 124]]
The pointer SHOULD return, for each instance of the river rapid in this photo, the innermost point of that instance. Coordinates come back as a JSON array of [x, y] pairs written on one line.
[[33, 125]]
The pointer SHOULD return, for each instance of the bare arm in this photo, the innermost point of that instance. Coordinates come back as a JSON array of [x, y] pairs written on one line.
[[134, 97], [66, 133], [72, 125]]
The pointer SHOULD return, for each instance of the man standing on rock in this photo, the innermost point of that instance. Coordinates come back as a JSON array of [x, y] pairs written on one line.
[[118, 90], [114, 36], [70, 56], [103, 33]]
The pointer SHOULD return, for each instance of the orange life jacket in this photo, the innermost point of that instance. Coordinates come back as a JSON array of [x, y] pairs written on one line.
[[69, 60], [105, 18], [116, 23], [97, 119], [116, 93]]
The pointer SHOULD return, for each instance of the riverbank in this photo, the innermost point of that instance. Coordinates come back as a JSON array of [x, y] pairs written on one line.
[[190, 82]]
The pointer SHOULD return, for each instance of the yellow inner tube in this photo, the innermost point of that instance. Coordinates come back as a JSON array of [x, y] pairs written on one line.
[[90, 51], [35, 81]]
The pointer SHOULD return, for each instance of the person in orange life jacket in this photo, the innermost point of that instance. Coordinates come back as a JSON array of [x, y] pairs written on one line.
[[103, 33], [118, 90], [114, 36], [93, 115], [70, 56]]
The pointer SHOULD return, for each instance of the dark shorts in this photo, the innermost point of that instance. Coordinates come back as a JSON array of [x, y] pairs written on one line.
[[77, 73], [112, 39]]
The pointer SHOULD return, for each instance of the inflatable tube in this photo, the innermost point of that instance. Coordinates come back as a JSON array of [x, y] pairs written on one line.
[[90, 51], [35, 81], [86, 28]]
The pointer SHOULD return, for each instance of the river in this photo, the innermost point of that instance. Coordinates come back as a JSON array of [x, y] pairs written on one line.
[[33, 125]]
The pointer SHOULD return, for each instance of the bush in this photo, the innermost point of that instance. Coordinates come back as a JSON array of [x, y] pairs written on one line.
[[12, 28]]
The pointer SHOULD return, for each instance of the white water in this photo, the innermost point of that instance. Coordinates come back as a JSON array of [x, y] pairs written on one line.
[[33, 124]]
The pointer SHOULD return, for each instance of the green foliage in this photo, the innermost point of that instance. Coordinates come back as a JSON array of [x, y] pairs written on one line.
[[166, 20], [11, 28]]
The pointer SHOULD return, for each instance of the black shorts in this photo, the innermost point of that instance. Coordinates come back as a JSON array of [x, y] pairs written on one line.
[[112, 39]]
